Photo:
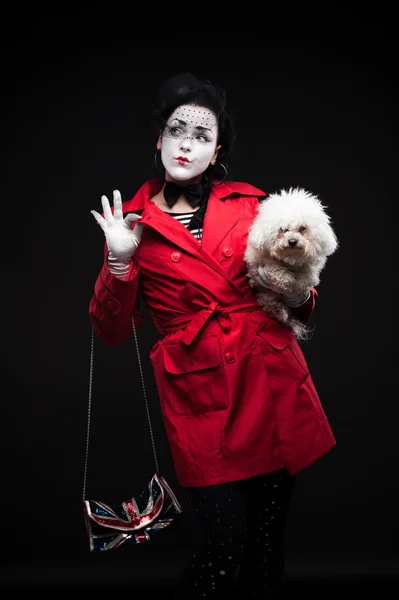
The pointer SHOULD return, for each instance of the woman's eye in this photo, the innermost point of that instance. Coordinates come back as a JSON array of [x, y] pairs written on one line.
[[175, 131]]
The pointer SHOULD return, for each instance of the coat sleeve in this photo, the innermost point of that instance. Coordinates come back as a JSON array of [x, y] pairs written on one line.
[[304, 312], [114, 302]]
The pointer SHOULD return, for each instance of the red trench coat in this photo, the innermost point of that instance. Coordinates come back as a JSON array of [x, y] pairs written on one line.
[[235, 390]]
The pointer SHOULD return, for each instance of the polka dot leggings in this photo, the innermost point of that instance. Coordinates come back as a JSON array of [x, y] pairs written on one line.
[[238, 539]]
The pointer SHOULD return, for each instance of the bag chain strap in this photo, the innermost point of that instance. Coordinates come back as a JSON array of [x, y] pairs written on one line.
[[89, 406]]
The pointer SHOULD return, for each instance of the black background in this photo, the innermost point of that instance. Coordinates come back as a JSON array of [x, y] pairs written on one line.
[[315, 111]]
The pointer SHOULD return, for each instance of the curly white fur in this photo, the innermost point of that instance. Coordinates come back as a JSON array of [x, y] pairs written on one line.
[[291, 237]]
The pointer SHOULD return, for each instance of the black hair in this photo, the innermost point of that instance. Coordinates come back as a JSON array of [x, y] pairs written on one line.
[[185, 88]]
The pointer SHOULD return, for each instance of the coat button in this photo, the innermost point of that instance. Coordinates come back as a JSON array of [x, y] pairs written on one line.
[[230, 358], [175, 256], [112, 305], [227, 251]]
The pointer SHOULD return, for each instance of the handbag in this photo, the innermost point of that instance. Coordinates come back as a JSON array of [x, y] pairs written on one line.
[[139, 518]]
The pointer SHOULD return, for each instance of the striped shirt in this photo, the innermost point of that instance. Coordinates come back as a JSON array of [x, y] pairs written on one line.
[[185, 219]]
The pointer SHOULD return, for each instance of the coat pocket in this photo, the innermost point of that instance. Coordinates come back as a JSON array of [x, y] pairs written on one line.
[[195, 378], [282, 342]]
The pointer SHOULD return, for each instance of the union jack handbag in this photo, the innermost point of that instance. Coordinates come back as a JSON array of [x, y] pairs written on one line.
[[139, 518]]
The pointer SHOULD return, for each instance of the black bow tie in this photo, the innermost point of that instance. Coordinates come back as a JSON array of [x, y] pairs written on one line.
[[193, 193]]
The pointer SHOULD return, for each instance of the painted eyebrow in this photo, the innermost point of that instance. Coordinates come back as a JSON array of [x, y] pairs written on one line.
[[199, 127], [179, 121]]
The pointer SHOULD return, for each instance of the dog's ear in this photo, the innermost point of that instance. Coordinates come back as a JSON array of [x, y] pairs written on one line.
[[256, 236], [330, 241]]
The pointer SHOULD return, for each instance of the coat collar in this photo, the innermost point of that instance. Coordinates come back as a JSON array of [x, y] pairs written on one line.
[[221, 192], [212, 236]]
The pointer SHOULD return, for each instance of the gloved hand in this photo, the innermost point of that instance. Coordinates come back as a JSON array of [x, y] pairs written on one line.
[[121, 240], [291, 299]]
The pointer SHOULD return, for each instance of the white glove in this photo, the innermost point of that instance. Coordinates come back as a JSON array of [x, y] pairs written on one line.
[[121, 240], [290, 299]]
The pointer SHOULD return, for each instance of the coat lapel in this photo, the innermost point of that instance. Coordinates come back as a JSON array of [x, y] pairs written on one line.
[[217, 222], [184, 239]]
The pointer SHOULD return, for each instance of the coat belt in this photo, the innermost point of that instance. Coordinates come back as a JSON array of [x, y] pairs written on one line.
[[193, 323]]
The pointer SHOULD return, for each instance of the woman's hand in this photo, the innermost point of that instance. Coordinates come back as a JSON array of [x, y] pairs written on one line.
[[290, 299], [122, 240], [264, 281]]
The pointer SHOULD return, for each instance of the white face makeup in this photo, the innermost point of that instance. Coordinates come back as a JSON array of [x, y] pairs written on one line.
[[188, 143]]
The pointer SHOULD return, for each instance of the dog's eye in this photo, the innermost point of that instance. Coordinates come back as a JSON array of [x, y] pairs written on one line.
[[302, 228], [283, 230]]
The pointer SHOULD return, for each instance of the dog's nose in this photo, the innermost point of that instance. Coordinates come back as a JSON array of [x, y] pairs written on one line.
[[292, 243]]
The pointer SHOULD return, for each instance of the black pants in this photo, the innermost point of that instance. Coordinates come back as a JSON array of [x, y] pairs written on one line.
[[238, 538]]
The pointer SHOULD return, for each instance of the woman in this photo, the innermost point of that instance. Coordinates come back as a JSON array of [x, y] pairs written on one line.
[[240, 409]]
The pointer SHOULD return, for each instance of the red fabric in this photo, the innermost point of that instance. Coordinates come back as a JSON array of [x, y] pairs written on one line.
[[235, 390]]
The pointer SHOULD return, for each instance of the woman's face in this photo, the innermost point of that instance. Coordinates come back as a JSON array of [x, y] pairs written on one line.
[[188, 143]]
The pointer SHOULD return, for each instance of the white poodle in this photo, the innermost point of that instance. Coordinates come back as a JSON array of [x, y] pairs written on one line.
[[288, 242]]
